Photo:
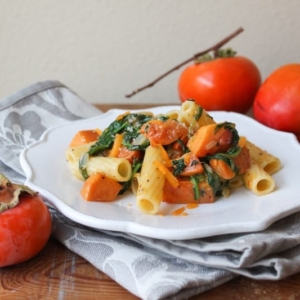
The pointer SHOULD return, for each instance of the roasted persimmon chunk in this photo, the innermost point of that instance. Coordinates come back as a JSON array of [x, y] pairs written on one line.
[[164, 132]]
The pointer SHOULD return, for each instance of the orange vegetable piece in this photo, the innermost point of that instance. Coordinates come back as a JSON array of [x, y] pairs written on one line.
[[130, 155], [164, 133], [116, 146], [83, 137], [243, 160], [99, 187], [193, 165], [184, 193], [176, 145], [221, 168], [207, 141]]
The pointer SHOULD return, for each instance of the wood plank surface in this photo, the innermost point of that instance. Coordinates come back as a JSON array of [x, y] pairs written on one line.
[[56, 273]]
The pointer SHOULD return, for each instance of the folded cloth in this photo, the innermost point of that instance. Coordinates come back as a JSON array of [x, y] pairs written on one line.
[[148, 268]]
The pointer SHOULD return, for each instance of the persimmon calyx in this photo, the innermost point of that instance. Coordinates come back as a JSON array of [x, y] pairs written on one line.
[[10, 192], [217, 53]]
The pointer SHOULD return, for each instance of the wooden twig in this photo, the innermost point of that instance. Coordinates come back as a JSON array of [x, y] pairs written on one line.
[[212, 48]]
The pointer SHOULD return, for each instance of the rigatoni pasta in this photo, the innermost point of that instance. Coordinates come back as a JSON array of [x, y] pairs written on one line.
[[270, 163], [115, 168], [151, 182], [236, 182], [182, 156], [194, 115], [258, 180]]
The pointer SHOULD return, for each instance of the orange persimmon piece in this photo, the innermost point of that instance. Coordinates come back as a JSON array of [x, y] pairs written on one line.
[[207, 140], [222, 168], [130, 155], [184, 193], [164, 133], [116, 146], [84, 137], [193, 165], [176, 145], [243, 160], [99, 187]]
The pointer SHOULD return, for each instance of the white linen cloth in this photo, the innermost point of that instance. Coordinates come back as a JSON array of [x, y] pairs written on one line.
[[149, 268]]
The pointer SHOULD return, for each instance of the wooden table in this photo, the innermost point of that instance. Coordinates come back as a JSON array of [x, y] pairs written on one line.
[[57, 273]]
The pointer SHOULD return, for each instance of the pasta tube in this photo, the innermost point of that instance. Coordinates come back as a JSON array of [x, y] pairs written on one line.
[[150, 182], [267, 161], [190, 115], [258, 180], [236, 182], [118, 169], [73, 155], [173, 114], [135, 183]]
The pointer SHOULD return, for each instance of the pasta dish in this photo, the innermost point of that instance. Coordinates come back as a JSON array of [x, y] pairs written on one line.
[[182, 157]]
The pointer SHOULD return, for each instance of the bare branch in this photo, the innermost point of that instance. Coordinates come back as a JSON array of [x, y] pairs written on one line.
[[212, 48]]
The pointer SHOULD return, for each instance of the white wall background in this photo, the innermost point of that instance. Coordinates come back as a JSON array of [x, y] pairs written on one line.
[[104, 49]]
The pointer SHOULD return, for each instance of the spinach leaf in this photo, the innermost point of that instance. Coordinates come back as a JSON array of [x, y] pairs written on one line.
[[83, 161], [178, 166], [198, 113], [228, 156], [129, 125], [183, 146], [213, 179], [195, 179]]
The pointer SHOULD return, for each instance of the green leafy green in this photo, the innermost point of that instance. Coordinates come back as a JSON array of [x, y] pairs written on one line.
[[195, 180], [178, 166], [83, 162], [213, 179], [129, 126], [198, 113]]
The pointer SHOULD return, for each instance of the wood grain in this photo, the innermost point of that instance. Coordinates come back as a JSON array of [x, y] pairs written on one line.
[[56, 273]]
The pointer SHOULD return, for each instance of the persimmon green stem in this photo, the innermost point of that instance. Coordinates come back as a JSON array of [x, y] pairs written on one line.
[[213, 48]]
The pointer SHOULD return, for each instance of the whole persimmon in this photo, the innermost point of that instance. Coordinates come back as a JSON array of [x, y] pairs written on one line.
[[277, 103], [223, 82], [25, 223]]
